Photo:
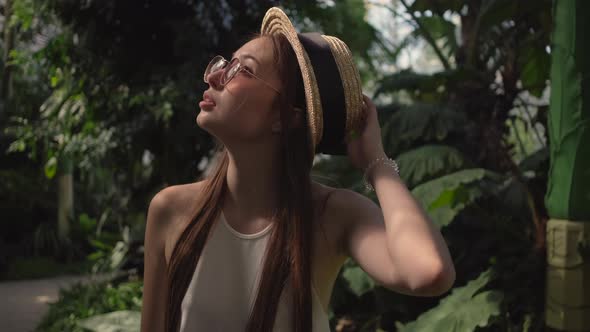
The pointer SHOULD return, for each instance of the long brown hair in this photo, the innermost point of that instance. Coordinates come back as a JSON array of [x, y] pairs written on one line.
[[288, 253]]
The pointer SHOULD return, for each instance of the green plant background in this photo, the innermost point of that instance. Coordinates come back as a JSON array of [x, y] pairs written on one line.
[[103, 90]]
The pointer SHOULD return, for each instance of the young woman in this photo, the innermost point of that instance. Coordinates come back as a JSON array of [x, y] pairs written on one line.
[[257, 245]]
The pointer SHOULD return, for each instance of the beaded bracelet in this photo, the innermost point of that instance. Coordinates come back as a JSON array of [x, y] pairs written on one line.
[[387, 161]]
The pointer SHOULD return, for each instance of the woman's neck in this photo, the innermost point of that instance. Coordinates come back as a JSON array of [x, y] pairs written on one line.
[[252, 186]]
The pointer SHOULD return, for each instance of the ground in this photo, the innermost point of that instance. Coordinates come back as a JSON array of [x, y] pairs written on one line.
[[24, 302]]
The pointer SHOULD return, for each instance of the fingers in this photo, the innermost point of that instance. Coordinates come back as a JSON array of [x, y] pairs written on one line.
[[367, 101], [369, 109]]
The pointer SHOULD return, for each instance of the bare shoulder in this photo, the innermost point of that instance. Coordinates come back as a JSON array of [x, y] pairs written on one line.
[[171, 201], [165, 212], [170, 198], [170, 210], [344, 209]]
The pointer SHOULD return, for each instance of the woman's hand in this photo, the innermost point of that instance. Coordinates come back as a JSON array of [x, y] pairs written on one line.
[[363, 147]]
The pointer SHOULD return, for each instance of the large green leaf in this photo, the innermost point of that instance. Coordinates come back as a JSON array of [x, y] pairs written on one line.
[[439, 82], [567, 195], [418, 124], [463, 310], [408, 80], [117, 321], [427, 162], [446, 196]]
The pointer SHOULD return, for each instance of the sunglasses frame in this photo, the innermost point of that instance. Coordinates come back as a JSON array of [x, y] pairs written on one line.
[[218, 58]]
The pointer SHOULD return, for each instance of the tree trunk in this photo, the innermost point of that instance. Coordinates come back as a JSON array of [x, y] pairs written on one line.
[[8, 33], [65, 200]]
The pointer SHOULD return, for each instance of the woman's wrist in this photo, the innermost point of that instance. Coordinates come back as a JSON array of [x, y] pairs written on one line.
[[378, 165], [381, 169], [373, 158]]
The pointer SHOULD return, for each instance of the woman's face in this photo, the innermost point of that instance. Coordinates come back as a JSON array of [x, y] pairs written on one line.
[[242, 110]]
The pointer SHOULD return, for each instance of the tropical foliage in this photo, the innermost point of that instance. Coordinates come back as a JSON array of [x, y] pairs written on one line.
[[455, 133], [94, 107], [83, 301]]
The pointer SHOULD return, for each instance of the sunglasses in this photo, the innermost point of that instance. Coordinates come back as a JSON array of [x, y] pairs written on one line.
[[229, 71]]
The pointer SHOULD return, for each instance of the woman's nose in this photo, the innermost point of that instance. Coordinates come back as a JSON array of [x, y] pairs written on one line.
[[214, 79]]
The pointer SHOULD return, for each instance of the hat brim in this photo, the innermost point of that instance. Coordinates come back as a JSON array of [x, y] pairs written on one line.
[[277, 22]]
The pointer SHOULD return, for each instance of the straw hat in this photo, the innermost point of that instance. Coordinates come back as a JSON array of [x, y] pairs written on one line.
[[331, 83]]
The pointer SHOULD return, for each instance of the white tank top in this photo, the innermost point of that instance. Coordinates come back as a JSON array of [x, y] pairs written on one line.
[[222, 291]]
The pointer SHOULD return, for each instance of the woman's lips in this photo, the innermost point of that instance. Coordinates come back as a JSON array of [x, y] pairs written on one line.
[[206, 104]]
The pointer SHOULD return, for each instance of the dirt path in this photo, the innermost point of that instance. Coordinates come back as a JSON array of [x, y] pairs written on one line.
[[23, 303]]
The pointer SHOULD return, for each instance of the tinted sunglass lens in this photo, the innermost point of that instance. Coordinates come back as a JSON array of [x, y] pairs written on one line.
[[216, 64], [231, 71]]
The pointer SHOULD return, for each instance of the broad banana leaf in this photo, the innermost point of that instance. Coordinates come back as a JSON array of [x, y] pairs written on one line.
[[568, 193]]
